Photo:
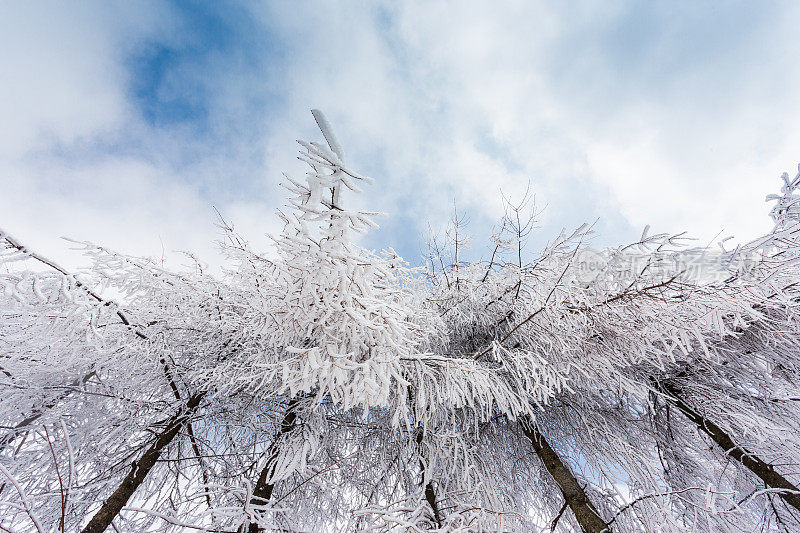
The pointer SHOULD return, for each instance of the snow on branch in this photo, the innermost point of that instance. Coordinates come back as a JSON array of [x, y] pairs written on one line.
[[648, 386]]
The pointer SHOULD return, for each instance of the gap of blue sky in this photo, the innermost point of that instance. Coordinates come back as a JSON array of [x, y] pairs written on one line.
[[126, 122]]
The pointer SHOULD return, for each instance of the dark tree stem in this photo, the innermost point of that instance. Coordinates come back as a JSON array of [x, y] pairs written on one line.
[[139, 469], [430, 494], [765, 471], [574, 496], [262, 493]]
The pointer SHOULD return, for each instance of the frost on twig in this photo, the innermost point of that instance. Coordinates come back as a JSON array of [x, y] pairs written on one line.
[[329, 387]]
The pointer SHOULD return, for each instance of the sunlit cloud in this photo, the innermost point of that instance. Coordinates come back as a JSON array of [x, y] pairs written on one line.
[[129, 124]]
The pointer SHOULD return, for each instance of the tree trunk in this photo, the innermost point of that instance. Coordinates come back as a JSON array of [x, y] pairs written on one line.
[[430, 494], [766, 472], [262, 492], [139, 470], [574, 496]]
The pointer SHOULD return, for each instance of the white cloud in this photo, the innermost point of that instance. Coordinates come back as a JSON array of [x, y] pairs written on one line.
[[679, 117], [688, 135], [63, 93]]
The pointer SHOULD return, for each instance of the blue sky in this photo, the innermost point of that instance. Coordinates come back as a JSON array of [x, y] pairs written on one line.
[[124, 123]]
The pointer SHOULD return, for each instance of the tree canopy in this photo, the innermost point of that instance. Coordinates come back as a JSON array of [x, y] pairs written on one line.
[[322, 386]]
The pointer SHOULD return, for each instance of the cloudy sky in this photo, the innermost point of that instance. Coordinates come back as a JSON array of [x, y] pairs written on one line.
[[125, 122]]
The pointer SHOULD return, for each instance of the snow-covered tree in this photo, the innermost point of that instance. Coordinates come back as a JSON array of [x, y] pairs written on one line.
[[786, 212], [325, 387]]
